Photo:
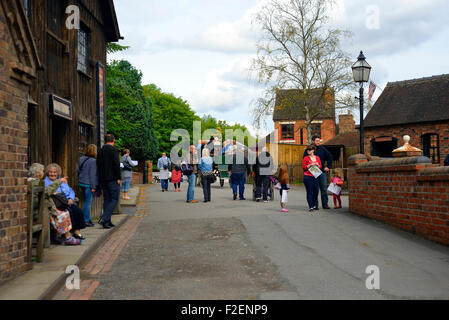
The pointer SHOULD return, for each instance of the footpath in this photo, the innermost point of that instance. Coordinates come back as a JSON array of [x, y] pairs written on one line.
[[46, 278]]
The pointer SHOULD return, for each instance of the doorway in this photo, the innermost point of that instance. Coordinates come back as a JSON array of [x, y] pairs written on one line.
[[59, 142], [383, 147]]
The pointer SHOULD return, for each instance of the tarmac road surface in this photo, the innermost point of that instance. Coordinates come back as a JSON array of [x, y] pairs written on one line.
[[246, 250]]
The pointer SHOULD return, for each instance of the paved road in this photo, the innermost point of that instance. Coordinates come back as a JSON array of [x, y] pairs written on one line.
[[245, 250]]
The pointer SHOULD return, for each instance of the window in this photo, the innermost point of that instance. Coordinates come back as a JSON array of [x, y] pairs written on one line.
[[431, 147], [316, 129], [302, 136], [26, 6], [288, 131], [85, 138], [83, 54]]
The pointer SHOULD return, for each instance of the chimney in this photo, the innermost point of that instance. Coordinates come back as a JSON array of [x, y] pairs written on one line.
[[346, 123]]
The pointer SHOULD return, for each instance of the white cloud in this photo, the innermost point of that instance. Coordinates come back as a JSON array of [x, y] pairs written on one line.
[[201, 50]]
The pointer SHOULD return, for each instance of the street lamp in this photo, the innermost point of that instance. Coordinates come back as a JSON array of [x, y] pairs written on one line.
[[361, 71]]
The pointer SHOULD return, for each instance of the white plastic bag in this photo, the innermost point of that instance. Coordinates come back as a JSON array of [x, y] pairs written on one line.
[[284, 196]]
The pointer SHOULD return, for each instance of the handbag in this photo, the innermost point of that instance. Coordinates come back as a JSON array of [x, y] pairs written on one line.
[[61, 223], [127, 167], [212, 178], [60, 201]]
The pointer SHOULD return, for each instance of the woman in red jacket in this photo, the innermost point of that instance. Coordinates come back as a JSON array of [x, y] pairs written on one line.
[[311, 183]]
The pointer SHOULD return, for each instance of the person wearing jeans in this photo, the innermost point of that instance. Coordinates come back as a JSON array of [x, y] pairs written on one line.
[[310, 182], [205, 167], [237, 172], [192, 160], [163, 165], [108, 163], [88, 180], [326, 161]]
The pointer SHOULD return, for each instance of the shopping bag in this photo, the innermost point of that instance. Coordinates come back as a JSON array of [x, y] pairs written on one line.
[[278, 186], [334, 189], [61, 223], [284, 196]]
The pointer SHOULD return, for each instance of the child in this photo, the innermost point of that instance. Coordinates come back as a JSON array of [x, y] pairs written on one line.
[[283, 179], [176, 176], [338, 181]]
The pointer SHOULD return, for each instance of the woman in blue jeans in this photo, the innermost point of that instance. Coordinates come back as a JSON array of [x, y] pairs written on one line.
[[311, 183], [88, 180]]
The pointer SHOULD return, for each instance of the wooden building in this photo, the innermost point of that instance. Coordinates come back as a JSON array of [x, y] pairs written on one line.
[[52, 100], [289, 116], [418, 108]]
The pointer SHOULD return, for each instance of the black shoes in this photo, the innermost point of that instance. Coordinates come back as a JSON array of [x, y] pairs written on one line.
[[89, 224], [326, 207], [235, 197], [106, 224], [242, 199], [80, 237]]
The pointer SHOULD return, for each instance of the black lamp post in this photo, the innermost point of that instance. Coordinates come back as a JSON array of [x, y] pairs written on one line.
[[361, 71]]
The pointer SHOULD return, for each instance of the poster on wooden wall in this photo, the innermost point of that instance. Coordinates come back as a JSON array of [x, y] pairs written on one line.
[[101, 103]]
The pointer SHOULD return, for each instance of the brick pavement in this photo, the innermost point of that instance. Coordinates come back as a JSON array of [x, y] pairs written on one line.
[[104, 257]]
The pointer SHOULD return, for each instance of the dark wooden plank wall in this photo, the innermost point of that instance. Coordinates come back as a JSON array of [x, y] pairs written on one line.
[[57, 47]]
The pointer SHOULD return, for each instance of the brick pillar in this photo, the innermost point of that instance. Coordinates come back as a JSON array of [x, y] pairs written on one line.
[[355, 185], [149, 165]]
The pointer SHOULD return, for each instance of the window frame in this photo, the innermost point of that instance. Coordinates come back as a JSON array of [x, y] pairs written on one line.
[[82, 66], [291, 135], [429, 149]]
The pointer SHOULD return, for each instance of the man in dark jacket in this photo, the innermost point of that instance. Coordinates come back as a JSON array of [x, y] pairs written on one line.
[[108, 163], [263, 169], [326, 161], [237, 171]]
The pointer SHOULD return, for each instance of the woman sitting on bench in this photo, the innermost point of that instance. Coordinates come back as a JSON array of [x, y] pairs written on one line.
[[54, 171]]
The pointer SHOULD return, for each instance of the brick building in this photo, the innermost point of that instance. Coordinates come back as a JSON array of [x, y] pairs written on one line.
[[346, 143], [18, 68], [289, 116], [418, 108], [52, 101]]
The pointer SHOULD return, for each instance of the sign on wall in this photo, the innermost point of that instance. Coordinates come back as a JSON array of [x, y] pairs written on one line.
[[60, 107], [101, 103]]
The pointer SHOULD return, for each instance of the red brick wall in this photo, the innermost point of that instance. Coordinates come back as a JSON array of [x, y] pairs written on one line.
[[415, 132], [137, 178], [346, 123], [409, 195], [328, 130], [13, 162]]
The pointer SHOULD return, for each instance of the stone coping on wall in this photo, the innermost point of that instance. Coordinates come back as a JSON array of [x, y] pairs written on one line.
[[398, 164], [434, 174]]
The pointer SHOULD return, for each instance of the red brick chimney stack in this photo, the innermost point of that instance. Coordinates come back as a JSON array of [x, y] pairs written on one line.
[[346, 123]]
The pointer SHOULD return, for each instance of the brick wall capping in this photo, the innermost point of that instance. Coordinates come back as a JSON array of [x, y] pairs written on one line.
[[395, 162], [357, 159], [434, 174]]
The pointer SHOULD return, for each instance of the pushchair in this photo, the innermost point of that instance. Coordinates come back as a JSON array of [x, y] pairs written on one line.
[[270, 192]]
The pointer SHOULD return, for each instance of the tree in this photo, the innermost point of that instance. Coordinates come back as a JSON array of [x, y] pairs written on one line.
[[129, 112], [300, 52], [170, 113]]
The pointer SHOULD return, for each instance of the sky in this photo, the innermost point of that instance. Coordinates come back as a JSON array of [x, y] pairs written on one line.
[[201, 50]]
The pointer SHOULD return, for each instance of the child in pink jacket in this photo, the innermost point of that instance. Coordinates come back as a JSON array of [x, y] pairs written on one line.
[[338, 181]]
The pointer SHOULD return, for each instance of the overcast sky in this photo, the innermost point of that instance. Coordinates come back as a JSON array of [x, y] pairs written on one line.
[[201, 50]]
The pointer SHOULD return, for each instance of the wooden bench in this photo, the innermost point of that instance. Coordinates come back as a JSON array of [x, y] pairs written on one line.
[[38, 220]]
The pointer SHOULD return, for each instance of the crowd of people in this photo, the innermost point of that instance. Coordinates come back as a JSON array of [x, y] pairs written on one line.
[[99, 173], [316, 163]]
